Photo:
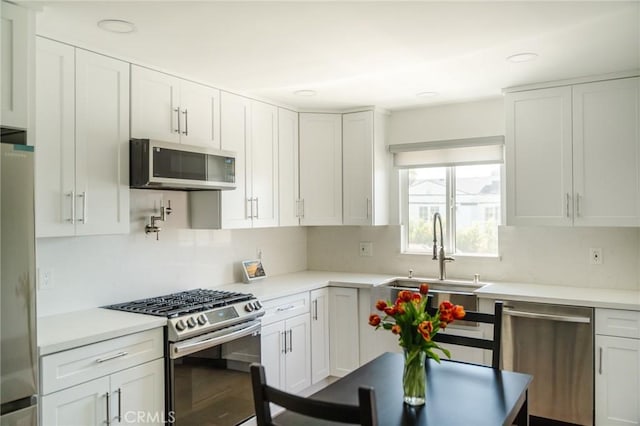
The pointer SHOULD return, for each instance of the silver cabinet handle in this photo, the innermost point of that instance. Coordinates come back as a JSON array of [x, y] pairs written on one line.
[[177, 111], [119, 405], [369, 207], [285, 308], [114, 356], [186, 122], [567, 206], [600, 362], [549, 317], [257, 211], [577, 204], [249, 210], [302, 202], [315, 309], [290, 340], [108, 408], [72, 196], [84, 207], [284, 340]]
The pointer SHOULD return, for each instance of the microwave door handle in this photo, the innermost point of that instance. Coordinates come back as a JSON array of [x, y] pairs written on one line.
[[181, 349]]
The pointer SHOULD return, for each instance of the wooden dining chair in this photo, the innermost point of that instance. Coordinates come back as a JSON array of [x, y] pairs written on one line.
[[363, 414], [490, 344]]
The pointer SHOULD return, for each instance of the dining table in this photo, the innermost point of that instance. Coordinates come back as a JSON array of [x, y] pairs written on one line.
[[457, 394]]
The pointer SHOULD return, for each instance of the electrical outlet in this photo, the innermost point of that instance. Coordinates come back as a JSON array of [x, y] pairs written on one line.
[[45, 279], [595, 256], [366, 249]]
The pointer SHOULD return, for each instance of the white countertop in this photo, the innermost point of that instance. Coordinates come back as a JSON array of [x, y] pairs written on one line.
[[69, 330], [65, 331], [563, 295]]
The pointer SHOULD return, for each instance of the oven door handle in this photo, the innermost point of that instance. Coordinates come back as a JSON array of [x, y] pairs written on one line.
[[181, 349]]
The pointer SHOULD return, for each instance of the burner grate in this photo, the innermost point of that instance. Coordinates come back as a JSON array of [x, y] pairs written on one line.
[[183, 303]]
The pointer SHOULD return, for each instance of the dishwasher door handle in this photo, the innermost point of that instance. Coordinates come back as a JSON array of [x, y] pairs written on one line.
[[548, 317]]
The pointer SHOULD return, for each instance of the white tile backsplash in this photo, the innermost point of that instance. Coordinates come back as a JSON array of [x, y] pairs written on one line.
[[98, 270], [527, 255]]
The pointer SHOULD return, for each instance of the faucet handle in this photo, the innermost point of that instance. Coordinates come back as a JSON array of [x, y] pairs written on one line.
[[449, 259]]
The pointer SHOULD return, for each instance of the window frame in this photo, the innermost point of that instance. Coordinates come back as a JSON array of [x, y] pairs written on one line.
[[449, 227]]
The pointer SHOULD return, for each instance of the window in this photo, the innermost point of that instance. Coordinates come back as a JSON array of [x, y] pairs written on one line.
[[468, 198]]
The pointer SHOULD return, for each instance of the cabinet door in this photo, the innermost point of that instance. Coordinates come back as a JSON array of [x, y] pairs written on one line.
[[357, 167], [272, 353], [199, 115], [298, 356], [154, 105], [538, 147], [81, 405], [137, 392], [606, 153], [288, 167], [236, 136], [617, 381], [102, 144], [343, 330], [319, 334], [55, 127], [15, 27], [321, 169], [264, 164]]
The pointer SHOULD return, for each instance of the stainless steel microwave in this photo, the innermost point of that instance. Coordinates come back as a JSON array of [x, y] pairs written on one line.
[[166, 165]]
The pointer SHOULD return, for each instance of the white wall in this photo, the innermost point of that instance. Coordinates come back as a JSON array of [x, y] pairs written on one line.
[[98, 270], [532, 255]]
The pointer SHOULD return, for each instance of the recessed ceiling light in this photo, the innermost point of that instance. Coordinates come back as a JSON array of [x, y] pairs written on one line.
[[426, 94], [117, 26], [305, 92], [522, 57]]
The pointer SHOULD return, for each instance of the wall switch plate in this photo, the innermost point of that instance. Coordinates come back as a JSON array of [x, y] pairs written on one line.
[[45, 279], [595, 256], [366, 249]]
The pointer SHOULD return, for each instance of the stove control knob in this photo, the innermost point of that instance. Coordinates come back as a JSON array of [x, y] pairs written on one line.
[[191, 322], [257, 304], [248, 307], [180, 325], [202, 320]]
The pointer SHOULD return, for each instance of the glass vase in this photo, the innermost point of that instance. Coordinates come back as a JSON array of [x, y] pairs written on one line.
[[414, 378]]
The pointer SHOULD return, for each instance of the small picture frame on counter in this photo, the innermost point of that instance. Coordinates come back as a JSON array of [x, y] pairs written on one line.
[[253, 270]]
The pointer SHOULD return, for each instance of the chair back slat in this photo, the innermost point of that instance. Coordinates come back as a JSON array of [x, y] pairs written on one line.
[[494, 345], [364, 414]]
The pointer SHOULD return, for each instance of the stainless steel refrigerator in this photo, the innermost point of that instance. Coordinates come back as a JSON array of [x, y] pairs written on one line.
[[18, 348]]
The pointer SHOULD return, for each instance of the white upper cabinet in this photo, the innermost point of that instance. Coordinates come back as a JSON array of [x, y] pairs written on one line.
[[573, 155], [288, 157], [365, 169], [17, 30], [82, 163], [321, 169], [606, 153], [538, 146], [167, 108], [250, 129]]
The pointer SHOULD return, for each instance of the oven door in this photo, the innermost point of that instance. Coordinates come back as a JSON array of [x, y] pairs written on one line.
[[208, 377]]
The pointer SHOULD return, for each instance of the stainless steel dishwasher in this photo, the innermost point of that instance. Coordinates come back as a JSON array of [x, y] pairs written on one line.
[[553, 343]]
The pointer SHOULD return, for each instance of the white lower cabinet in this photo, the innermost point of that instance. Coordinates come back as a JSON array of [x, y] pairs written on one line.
[[617, 375], [344, 338], [320, 364], [286, 343], [115, 381], [135, 395]]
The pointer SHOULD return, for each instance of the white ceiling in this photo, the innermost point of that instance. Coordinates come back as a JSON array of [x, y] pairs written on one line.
[[359, 53]]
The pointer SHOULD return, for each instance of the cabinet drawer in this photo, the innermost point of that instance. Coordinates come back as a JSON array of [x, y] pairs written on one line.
[[285, 307], [614, 322], [68, 368]]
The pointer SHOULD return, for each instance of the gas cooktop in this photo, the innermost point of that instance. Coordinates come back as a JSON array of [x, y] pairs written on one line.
[[198, 311]]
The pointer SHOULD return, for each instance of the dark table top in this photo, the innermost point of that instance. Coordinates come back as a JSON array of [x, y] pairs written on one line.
[[457, 394]]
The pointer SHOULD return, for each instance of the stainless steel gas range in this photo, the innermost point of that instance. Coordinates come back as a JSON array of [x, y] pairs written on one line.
[[212, 336]]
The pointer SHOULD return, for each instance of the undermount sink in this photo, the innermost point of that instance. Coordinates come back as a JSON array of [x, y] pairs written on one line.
[[435, 285]]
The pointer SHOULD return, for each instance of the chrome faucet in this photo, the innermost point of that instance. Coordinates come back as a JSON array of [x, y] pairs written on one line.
[[438, 253]]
